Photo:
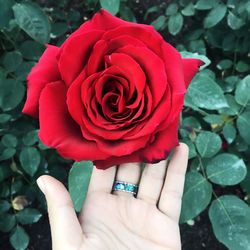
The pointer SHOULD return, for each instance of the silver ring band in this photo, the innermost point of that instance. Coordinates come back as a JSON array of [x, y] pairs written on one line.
[[125, 187]]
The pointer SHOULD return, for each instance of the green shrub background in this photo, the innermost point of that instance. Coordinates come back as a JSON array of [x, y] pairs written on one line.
[[215, 122]]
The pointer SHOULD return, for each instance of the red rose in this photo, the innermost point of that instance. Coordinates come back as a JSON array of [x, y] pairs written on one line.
[[112, 93]]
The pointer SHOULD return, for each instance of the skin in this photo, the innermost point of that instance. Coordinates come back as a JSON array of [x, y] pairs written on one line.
[[117, 220]]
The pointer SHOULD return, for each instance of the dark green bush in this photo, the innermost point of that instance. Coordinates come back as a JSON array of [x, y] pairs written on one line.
[[215, 120]]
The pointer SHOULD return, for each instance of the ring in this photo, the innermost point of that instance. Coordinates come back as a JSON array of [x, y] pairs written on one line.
[[125, 187]]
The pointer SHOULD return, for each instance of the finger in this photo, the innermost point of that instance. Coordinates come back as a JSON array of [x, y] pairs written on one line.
[[151, 182], [171, 195], [102, 180], [129, 172], [65, 227]]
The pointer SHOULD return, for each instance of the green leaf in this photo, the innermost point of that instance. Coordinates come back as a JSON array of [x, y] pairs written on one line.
[[224, 64], [229, 133], [240, 144], [6, 13], [191, 122], [58, 29], [112, 6], [7, 222], [9, 140], [16, 185], [242, 66], [5, 171], [7, 153], [30, 160], [234, 22], [4, 192], [243, 125], [23, 70], [11, 60], [208, 144], [12, 93], [215, 15], [197, 46], [28, 216], [171, 9], [188, 125], [30, 138], [4, 118], [245, 184], [230, 218], [206, 93], [127, 14], [230, 83], [79, 177], [192, 151], [73, 15], [196, 197], [188, 10], [151, 10], [204, 4], [226, 169], [19, 239], [233, 107], [159, 22], [242, 92], [33, 21], [31, 50], [175, 23], [214, 119], [4, 206], [206, 61]]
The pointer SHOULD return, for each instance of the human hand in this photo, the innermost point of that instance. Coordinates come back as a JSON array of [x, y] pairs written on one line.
[[117, 220]]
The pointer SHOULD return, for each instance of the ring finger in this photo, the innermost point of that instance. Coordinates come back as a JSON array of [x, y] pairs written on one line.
[[129, 173]]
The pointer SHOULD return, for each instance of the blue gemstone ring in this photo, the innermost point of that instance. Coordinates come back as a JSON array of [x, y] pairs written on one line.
[[125, 187]]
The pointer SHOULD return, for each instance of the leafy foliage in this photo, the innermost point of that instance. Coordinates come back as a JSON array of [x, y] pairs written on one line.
[[215, 121]]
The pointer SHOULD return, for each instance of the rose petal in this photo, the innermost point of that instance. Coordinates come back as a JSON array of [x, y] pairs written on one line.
[[44, 72], [144, 33], [155, 119], [75, 54], [105, 81], [190, 68], [153, 68], [90, 127], [74, 102], [58, 130], [96, 58], [102, 48], [174, 68], [153, 153], [132, 71], [102, 20], [122, 147]]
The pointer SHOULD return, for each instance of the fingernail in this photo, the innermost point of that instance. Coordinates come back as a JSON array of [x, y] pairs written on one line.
[[41, 184]]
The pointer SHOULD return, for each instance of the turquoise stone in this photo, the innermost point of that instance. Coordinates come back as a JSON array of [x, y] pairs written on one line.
[[120, 186], [125, 187], [130, 188]]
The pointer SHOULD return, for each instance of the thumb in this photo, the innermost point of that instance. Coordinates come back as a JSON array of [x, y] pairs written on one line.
[[66, 231]]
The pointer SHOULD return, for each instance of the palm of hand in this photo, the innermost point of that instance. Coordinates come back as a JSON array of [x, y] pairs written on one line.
[[115, 220], [124, 222]]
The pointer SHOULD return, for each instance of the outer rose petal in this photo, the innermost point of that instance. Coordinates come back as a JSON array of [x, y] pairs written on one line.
[[174, 68], [190, 68], [58, 130], [75, 54], [164, 142], [44, 72], [103, 20]]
